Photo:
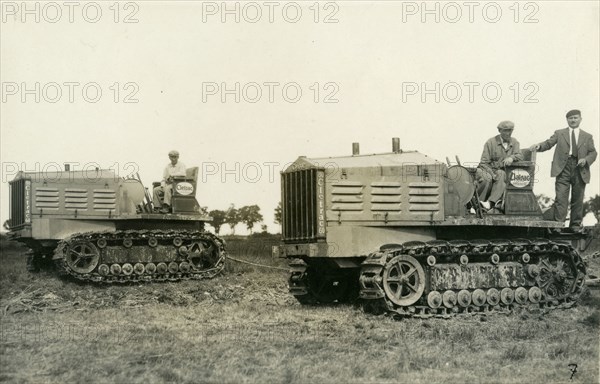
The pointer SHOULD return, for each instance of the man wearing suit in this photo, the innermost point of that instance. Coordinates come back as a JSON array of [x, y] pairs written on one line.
[[574, 154]]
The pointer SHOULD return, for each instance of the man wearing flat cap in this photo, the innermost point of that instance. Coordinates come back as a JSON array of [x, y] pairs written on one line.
[[498, 152], [174, 168], [574, 154]]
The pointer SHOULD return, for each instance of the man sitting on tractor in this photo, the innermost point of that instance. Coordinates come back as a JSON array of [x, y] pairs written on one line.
[[498, 152], [174, 168]]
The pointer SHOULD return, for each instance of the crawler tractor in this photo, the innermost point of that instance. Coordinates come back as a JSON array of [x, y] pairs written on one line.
[[405, 234], [96, 226]]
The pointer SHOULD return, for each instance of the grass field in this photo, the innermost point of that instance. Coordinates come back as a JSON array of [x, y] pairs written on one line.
[[244, 327]]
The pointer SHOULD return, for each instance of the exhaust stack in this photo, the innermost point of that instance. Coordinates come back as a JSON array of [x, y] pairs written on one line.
[[355, 149], [396, 145]]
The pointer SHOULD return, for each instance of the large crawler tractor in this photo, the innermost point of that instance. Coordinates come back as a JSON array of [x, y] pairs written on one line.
[[96, 226], [405, 234]]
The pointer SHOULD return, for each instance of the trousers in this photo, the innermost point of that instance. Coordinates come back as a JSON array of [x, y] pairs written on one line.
[[491, 186], [569, 180], [166, 194]]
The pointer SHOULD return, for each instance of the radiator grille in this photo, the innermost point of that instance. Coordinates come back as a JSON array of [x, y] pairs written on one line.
[[303, 210], [20, 203]]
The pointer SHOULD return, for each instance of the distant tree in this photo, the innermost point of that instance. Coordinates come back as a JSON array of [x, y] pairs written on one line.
[[592, 205], [544, 201], [250, 215], [278, 214], [232, 218], [264, 228], [218, 219]]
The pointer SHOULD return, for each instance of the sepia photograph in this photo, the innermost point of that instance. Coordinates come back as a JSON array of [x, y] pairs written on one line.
[[301, 191]]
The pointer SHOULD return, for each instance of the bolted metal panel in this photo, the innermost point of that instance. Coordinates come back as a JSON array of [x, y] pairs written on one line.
[[473, 275], [424, 197], [46, 198], [104, 199], [76, 199], [347, 196], [386, 196]]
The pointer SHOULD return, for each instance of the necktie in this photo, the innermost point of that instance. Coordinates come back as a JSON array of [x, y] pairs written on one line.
[[573, 144]]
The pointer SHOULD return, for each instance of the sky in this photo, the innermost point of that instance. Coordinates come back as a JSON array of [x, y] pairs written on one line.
[[241, 89]]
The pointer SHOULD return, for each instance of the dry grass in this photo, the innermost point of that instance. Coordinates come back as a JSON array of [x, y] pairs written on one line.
[[244, 327]]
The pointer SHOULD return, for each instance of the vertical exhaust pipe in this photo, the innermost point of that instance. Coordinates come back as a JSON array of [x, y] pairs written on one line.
[[67, 167], [396, 144], [355, 149]]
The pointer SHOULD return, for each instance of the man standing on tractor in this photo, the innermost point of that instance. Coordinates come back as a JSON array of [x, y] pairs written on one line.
[[574, 154], [498, 152], [174, 168]]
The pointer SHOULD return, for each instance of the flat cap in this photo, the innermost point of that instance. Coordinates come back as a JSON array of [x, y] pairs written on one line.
[[506, 125], [573, 112], [173, 153]]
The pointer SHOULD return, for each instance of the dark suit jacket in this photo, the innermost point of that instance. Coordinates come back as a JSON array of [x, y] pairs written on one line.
[[585, 150]]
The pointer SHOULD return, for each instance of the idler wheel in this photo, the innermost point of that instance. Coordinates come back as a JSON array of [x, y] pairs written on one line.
[[403, 280], [127, 269], [493, 297], [464, 298], [449, 299], [162, 268], [127, 242], [103, 270], [152, 242], [150, 268], [507, 296], [535, 295], [431, 260], [464, 260], [434, 299], [82, 257], [115, 269], [521, 295], [494, 259], [101, 243], [184, 267], [177, 241], [139, 268], [479, 297], [173, 267]]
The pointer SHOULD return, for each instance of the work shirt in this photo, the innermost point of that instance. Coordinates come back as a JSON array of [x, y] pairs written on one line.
[[173, 170], [494, 152]]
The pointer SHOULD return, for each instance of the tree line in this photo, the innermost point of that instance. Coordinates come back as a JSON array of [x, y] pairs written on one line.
[[249, 215]]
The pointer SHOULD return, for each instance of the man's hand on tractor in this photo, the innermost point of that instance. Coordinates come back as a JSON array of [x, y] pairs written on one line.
[[508, 161]]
